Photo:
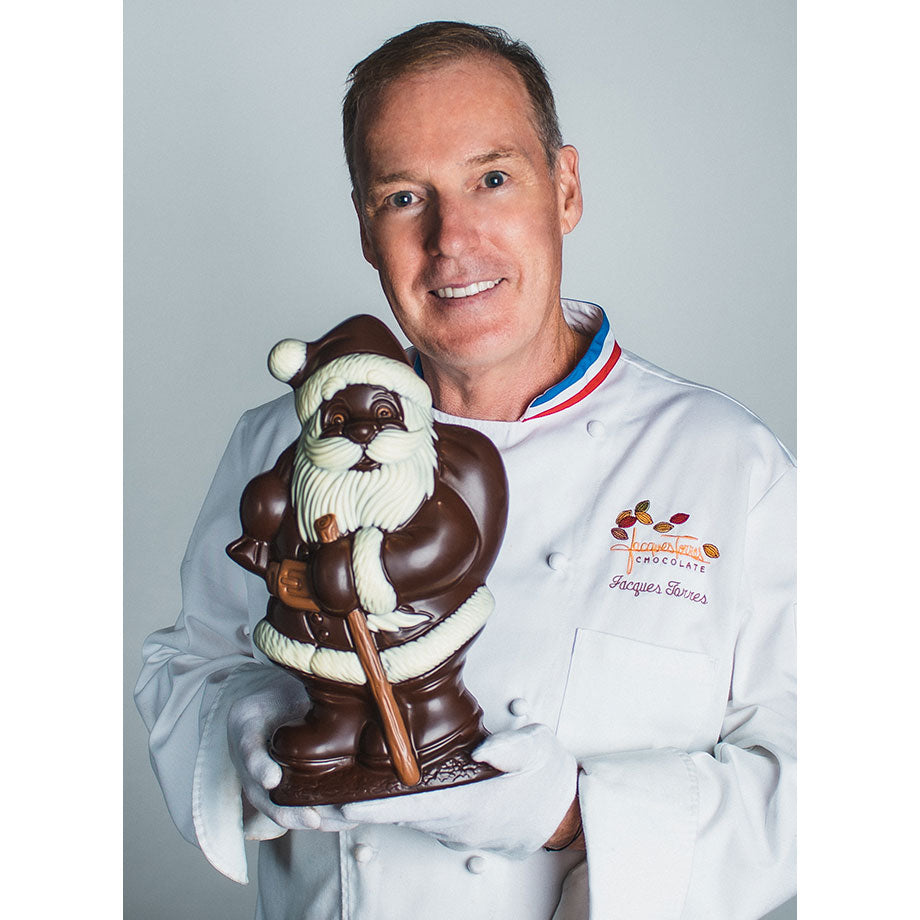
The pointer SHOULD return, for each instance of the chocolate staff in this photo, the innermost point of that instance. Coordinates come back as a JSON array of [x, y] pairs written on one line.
[[394, 729]]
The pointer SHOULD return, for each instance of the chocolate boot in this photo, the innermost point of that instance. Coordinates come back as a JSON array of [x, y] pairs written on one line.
[[441, 716], [326, 739]]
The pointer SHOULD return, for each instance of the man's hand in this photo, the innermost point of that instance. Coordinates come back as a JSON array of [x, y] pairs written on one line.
[[250, 724], [513, 814]]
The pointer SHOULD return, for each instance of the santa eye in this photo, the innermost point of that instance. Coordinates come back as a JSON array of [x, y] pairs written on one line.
[[384, 411], [337, 418], [494, 179]]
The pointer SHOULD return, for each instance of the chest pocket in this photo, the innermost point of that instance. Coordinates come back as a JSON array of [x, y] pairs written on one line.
[[626, 695]]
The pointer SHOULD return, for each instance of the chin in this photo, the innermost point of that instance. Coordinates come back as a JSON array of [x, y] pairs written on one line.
[[472, 340], [488, 348]]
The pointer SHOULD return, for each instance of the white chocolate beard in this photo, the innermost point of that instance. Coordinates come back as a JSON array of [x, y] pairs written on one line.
[[367, 503], [386, 497]]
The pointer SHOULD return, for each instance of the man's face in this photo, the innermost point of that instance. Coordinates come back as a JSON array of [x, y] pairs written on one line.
[[462, 216]]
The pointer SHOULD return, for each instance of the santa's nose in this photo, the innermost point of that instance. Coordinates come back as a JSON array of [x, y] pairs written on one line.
[[360, 432]]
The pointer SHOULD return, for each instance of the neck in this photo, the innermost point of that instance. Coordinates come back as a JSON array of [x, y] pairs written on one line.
[[502, 392]]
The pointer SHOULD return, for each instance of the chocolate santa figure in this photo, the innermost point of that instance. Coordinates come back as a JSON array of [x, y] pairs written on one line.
[[374, 531]]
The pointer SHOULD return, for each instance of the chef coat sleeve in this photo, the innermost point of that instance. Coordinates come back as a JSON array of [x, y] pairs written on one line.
[[195, 670], [676, 834]]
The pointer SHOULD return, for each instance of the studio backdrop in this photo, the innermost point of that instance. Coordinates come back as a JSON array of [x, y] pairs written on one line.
[[239, 231]]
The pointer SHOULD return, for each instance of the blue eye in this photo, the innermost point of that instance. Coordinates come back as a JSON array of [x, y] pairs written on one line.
[[401, 199], [493, 179]]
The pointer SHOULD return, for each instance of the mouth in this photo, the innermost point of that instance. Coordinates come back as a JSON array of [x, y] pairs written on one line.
[[366, 464], [469, 290]]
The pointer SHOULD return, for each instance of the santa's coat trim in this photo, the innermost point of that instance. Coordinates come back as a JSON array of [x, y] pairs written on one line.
[[401, 662], [376, 595]]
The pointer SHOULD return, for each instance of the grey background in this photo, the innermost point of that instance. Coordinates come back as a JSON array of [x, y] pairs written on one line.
[[239, 232]]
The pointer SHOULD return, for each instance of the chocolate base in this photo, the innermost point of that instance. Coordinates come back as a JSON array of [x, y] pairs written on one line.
[[357, 784]]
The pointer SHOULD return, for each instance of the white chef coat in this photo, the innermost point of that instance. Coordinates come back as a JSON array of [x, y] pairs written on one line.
[[665, 662]]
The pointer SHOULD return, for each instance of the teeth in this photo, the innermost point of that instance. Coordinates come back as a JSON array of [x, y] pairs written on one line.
[[477, 287]]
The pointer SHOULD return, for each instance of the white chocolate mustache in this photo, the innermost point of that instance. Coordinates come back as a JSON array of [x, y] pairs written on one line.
[[340, 453]]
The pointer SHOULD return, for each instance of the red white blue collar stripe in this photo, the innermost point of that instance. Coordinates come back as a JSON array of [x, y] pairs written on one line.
[[590, 372]]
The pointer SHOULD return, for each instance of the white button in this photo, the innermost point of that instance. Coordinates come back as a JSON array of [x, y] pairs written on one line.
[[363, 853], [518, 706], [476, 865], [557, 561], [246, 630], [596, 429]]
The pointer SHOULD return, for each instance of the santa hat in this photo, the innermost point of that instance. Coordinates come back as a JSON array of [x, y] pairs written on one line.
[[359, 350]]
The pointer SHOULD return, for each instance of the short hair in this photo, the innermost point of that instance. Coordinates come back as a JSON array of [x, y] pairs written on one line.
[[432, 44]]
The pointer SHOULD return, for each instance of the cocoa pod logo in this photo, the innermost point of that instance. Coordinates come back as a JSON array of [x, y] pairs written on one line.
[[640, 515]]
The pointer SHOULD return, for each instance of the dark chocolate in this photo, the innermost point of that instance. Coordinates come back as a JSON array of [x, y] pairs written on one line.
[[343, 748]]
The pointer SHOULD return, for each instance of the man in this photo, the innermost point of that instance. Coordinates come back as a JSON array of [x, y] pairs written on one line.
[[642, 641]]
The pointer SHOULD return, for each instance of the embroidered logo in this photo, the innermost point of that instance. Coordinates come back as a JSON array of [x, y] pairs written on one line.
[[649, 543], [665, 544]]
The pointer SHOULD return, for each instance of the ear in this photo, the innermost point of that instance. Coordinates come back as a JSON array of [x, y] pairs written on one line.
[[568, 184], [366, 247]]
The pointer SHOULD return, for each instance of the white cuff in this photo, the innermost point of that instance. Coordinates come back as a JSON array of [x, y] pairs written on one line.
[[217, 801], [639, 811], [375, 593]]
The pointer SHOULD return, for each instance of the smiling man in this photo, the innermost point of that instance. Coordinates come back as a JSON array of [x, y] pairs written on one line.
[[646, 738], [463, 217]]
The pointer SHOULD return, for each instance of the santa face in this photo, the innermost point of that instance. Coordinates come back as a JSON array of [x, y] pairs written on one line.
[[359, 413], [367, 456]]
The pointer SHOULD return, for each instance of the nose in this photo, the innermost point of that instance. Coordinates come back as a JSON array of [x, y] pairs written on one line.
[[361, 432], [453, 229]]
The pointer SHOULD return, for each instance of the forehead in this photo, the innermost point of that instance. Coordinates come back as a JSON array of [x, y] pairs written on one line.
[[451, 112]]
